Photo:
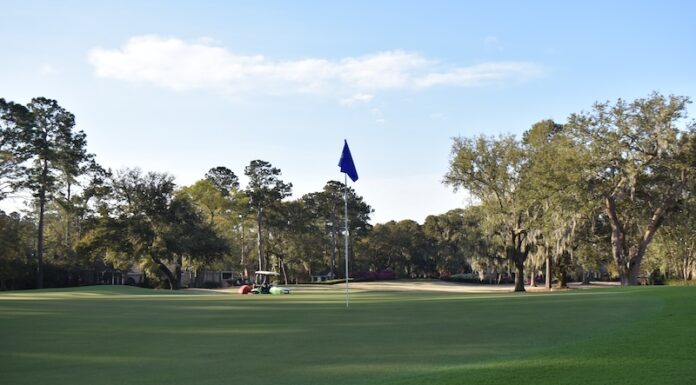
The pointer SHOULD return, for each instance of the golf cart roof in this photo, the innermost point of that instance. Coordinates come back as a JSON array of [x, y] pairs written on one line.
[[264, 272]]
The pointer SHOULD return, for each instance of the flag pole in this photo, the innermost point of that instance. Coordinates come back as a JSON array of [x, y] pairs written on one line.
[[348, 169], [347, 234]]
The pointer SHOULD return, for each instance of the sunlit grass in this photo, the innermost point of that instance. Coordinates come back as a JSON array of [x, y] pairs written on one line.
[[122, 335]]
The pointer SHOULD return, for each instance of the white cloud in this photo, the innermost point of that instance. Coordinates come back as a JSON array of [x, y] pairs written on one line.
[[203, 64], [357, 98], [481, 74], [437, 115]]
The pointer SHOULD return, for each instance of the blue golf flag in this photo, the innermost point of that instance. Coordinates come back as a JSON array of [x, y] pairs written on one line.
[[346, 163]]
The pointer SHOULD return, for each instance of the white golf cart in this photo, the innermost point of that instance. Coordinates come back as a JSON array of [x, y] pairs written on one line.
[[263, 285]]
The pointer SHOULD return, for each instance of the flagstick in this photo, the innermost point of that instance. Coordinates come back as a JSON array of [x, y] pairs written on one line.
[[347, 234]]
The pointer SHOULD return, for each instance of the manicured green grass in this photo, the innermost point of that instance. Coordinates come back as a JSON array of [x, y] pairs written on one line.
[[123, 335]]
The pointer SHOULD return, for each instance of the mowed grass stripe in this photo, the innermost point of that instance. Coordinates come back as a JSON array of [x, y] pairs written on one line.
[[657, 348], [136, 336]]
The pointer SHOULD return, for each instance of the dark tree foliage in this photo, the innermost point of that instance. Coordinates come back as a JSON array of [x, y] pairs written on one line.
[[223, 178], [152, 226], [13, 117], [640, 166], [56, 156], [328, 207], [576, 196], [265, 189]]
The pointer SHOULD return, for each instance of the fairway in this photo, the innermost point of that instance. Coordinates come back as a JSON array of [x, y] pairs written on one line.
[[125, 335]]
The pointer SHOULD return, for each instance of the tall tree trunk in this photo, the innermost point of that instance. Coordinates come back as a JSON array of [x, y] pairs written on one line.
[[334, 249], [547, 283], [633, 272], [177, 271], [282, 267], [198, 281], [68, 215], [563, 260], [168, 273], [686, 266], [618, 240], [308, 269], [258, 238], [40, 240], [519, 276], [563, 280], [245, 274], [628, 260], [637, 253], [623, 277], [517, 253]]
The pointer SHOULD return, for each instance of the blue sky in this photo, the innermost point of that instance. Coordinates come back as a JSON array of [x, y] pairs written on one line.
[[185, 86]]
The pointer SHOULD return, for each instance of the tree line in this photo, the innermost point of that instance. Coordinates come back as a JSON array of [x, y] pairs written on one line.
[[616, 181], [608, 193]]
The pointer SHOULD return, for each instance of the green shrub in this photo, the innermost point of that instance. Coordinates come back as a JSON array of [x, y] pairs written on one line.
[[461, 278]]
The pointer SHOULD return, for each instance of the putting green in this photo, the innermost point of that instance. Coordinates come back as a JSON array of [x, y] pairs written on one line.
[[124, 335]]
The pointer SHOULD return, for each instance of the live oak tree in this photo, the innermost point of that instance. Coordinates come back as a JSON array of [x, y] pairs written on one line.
[[131, 231], [555, 190], [640, 163], [675, 251], [380, 247], [413, 249], [189, 236], [491, 170], [456, 241], [674, 247], [399, 246], [151, 225]]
